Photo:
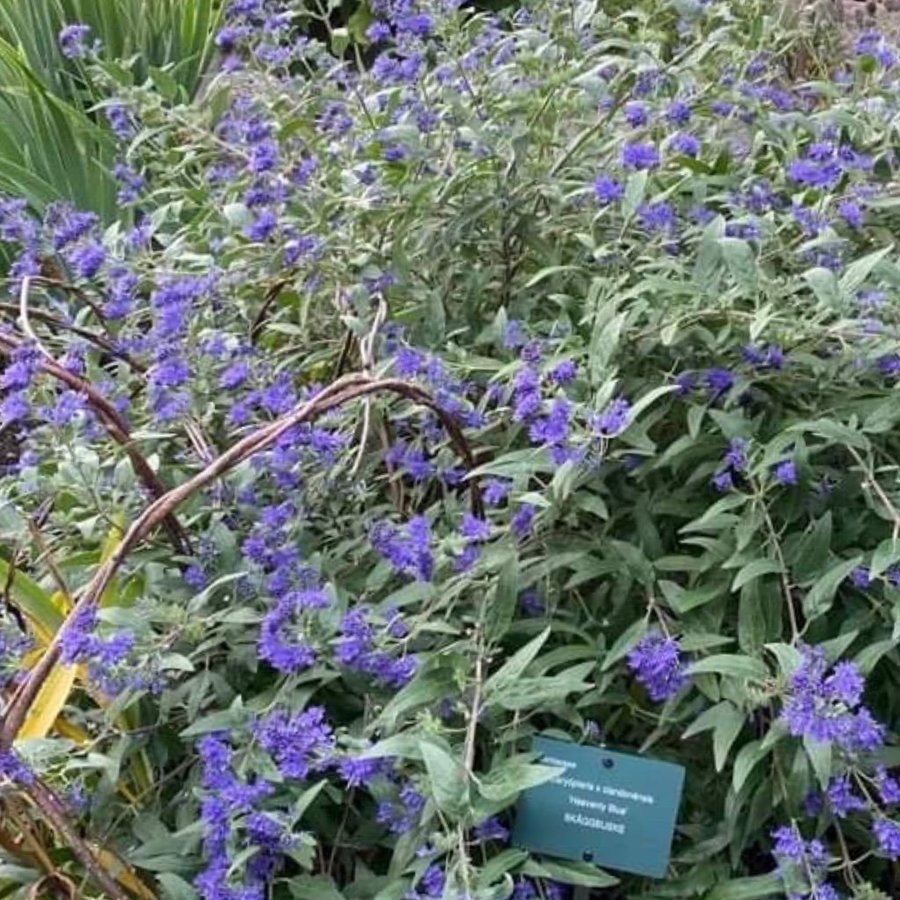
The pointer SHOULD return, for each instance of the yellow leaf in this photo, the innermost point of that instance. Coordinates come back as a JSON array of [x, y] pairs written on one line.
[[49, 702], [113, 539], [62, 603], [124, 875], [69, 730]]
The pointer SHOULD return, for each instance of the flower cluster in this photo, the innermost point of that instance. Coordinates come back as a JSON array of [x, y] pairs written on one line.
[[825, 703], [356, 648], [656, 663]]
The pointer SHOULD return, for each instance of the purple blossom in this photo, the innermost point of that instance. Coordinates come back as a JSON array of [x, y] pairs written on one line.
[[402, 815], [563, 372], [130, 182], [13, 769], [72, 40], [408, 552], [475, 529], [608, 190], [522, 521], [87, 259], [814, 173], [378, 32], [887, 833], [825, 704], [678, 113], [736, 455], [718, 382], [861, 577], [526, 394], [636, 113], [262, 226], [530, 603], [685, 144], [789, 844], [514, 335], [851, 213], [888, 787], [491, 829], [285, 652], [298, 743], [785, 472], [658, 218], [656, 663], [614, 419], [841, 797], [723, 481], [769, 356], [496, 491], [360, 771], [637, 156], [553, 429]]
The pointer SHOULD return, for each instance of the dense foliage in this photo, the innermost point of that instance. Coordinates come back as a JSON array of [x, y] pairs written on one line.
[[456, 377]]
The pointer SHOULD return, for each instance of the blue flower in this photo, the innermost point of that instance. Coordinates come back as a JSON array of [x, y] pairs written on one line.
[[825, 705], [656, 663], [887, 833], [72, 40], [685, 144], [637, 156], [614, 419], [636, 113], [785, 472], [607, 190]]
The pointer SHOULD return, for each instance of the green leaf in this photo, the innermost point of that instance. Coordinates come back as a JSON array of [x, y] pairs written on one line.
[[824, 284], [433, 682], [741, 263], [36, 603], [819, 755], [885, 555], [868, 657], [754, 888], [806, 559], [635, 188], [446, 778], [502, 605], [724, 736], [708, 254], [497, 866], [708, 719], [513, 668], [732, 665], [305, 800], [314, 887], [528, 693], [820, 596], [746, 760], [223, 720], [509, 777], [759, 615], [860, 269], [650, 398], [787, 655], [623, 643], [755, 569], [577, 873], [717, 515], [175, 888]]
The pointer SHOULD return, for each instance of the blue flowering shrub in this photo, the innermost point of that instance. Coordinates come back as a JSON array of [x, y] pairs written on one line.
[[447, 378]]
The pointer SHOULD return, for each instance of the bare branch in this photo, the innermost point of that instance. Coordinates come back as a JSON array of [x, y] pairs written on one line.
[[344, 390], [117, 429]]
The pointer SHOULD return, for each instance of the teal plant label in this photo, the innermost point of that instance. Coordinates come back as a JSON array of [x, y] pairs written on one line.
[[612, 809]]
